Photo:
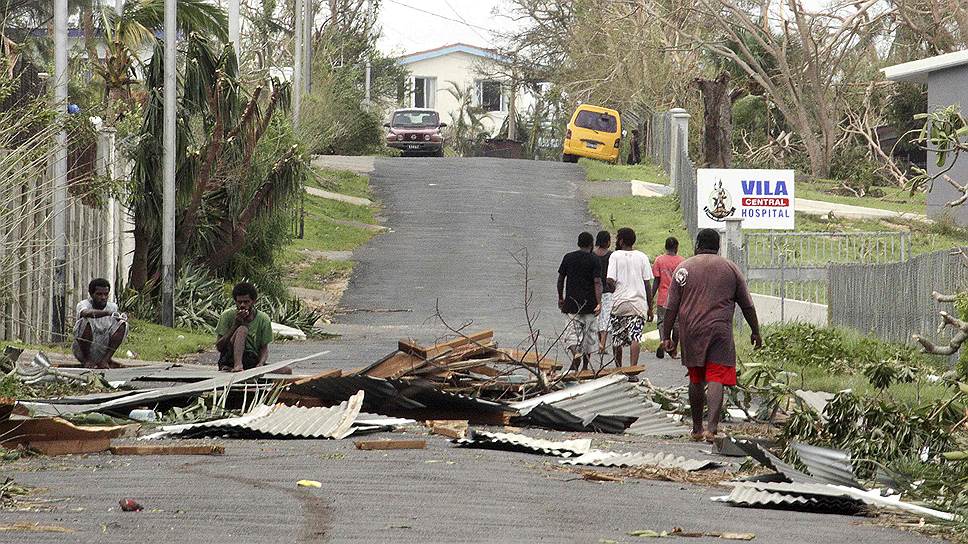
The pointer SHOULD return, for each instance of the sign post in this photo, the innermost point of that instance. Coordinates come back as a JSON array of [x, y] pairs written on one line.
[[762, 199]]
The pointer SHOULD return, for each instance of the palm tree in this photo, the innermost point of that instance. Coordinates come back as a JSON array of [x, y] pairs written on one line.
[[134, 29], [466, 124], [233, 167]]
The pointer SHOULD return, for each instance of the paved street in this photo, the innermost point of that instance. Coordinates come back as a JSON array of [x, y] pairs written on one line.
[[455, 225]]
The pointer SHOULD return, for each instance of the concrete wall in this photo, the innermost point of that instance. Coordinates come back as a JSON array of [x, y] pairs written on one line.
[[463, 69], [947, 87], [768, 310]]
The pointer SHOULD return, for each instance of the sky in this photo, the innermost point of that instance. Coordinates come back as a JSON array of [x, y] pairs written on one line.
[[417, 25]]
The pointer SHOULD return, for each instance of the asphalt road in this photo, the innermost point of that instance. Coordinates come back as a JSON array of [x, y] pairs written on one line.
[[456, 223]]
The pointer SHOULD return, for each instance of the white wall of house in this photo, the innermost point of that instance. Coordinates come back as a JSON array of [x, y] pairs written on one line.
[[430, 79]]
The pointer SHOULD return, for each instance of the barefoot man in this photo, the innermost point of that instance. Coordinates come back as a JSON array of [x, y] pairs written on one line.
[[243, 332], [704, 293], [99, 328]]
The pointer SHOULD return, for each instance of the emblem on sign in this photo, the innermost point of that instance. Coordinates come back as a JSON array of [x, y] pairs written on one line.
[[719, 205]]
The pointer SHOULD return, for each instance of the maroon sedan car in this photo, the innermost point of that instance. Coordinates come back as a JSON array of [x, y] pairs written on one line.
[[416, 132]]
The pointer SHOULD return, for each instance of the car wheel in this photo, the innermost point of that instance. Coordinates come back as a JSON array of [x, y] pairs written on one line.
[[566, 157], [439, 153]]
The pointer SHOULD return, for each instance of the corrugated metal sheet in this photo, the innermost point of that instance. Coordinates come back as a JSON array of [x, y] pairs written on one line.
[[220, 382], [662, 460], [871, 497], [282, 421], [520, 442], [773, 462], [393, 395], [827, 465], [610, 396], [748, 496], [551, 417]]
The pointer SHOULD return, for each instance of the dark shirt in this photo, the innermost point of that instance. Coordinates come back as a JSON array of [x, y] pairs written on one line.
[[580, 269], [603, 262]]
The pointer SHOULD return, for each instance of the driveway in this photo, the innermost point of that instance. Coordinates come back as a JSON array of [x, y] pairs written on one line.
[[455, 224]]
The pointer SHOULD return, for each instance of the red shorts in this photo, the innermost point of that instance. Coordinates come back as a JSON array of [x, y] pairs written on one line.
[[712, 372]]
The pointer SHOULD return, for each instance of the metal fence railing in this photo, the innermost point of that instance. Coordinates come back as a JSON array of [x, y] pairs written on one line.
[[893, 301], [794, 264]]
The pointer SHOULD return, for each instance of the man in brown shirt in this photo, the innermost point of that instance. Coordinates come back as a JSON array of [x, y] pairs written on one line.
[[702, 297]]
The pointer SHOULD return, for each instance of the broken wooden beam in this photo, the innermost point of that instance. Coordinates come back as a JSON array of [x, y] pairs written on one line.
[[390, 444], [448, 428], [591, 374], [413, 348], [170, 449]]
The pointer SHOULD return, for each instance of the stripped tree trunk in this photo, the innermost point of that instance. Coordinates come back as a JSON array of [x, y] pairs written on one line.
[[717, 121]]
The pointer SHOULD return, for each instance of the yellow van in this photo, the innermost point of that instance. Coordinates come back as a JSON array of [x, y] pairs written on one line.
[[593, 132]]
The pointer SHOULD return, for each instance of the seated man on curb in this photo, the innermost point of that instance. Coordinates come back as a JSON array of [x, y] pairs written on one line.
[[243, 332], [100, 328]]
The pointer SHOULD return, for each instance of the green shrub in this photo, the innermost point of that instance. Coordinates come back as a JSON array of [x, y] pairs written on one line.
[[836, 350]]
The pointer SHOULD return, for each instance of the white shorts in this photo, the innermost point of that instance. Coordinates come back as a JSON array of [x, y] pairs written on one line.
[[606, 313], [581, 333]]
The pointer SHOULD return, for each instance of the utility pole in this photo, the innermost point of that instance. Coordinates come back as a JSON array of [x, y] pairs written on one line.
[[308, 47], [118, 6], [58, 311], [234, 26], [297, 69], [168, 169], [369, 34]]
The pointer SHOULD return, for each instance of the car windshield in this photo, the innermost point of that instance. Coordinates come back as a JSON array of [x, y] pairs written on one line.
[[415, 119], [602, 122]]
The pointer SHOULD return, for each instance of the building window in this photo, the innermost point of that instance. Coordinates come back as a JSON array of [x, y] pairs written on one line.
[[490, 95], [424, 89]]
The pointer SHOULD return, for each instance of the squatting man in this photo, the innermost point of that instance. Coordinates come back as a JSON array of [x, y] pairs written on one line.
[[99, 328]]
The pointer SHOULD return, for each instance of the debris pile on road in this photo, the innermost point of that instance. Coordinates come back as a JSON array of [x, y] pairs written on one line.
[[448, 384]]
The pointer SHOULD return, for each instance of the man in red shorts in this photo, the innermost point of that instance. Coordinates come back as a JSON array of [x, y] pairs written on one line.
[[702, 297]]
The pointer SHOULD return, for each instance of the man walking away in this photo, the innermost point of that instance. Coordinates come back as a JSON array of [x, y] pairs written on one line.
[[99, 329], [579, 298], [602, 243], [662, 269], [243, 333], [703, 295], [635, 156], [629, 274]]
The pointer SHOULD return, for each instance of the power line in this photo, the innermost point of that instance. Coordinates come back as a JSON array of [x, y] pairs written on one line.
[[446, 18], [463, 20]]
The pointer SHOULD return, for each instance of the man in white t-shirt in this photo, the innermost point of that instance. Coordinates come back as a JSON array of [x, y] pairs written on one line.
[[99, 328], [629, 273]]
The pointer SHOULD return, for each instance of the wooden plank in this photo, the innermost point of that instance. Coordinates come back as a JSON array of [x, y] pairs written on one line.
[[438, 349], [390, 444], [591, 375], [397, 364], [448, 428], [531, 359], [170, 449]]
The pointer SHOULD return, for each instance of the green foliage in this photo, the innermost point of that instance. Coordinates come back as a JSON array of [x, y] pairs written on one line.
[[334, 120], [836, 350], [466, 132], [853, 165]]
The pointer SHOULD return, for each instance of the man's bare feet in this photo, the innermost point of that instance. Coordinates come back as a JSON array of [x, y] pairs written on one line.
[[236, 369], [697, 437]]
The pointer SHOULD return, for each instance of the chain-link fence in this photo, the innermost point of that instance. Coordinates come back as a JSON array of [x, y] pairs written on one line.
[[893, 301]]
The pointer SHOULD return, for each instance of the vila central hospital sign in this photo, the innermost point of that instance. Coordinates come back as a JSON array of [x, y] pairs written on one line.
[[763, 199]]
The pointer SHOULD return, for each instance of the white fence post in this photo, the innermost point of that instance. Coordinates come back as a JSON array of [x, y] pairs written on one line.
[[679, 146]]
